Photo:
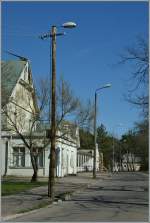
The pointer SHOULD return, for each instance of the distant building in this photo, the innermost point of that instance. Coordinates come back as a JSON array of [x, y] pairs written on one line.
[[131, 162], [128, 162], [85, 160]]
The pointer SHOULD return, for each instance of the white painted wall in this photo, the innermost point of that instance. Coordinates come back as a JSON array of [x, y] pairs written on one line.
[[66, 162], [3, 146], [66, 159]]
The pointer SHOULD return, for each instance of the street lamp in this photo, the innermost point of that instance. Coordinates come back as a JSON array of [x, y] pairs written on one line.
[[69, 25], [95, 135], [53, 35]]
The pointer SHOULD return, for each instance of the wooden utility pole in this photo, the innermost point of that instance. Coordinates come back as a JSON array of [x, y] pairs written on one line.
[[53, 118], [52, 136]]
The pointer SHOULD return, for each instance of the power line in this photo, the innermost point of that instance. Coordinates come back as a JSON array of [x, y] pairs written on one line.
[[17, 28], [20, 35]]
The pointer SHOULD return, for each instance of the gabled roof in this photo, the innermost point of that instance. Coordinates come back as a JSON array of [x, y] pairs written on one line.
[[10, 73]]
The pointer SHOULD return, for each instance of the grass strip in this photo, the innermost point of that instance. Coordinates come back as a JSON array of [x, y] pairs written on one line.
[[9, 188]]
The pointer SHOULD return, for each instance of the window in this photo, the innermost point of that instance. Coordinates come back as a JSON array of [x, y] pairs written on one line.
[[18, 156], [57, 156]]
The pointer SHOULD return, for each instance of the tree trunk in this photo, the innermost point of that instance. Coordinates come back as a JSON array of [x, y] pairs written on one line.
[[35, 168], [34, 176]]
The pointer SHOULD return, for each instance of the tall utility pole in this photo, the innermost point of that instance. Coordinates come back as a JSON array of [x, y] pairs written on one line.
[[52, 136], [53, 117], [95, 131]]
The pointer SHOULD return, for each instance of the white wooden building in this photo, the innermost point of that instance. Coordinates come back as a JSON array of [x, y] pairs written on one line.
[[16, 157], [19, 100]]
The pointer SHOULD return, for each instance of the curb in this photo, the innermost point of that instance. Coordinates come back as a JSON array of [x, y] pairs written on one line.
[[67, 195], [24, 213], [17, 215], [59, 199]]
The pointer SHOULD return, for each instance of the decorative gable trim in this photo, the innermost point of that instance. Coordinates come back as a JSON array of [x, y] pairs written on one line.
[[26, 85]]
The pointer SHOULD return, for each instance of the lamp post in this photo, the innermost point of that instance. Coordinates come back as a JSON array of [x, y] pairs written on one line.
[[53, 35], [95, 131]]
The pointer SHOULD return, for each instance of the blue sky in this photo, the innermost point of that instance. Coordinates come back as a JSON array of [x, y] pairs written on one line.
[[86, 56]]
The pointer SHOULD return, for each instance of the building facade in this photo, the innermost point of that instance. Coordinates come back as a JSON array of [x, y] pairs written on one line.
[[19, 106], [85, 159], [16, 159], [129, 162]]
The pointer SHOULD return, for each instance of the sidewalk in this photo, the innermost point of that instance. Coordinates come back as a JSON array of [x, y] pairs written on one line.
[[37, 197]]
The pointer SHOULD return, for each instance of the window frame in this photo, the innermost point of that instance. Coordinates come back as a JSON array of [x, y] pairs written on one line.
[[18, 156]]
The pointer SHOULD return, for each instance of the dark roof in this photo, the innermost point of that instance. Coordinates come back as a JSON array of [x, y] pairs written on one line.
[[10, 73]]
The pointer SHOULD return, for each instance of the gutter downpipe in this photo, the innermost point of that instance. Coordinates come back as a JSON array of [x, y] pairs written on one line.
[[6, 159]]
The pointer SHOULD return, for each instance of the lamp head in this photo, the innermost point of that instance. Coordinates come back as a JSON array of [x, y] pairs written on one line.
[[104, 86], [69, 25], [107, 85]]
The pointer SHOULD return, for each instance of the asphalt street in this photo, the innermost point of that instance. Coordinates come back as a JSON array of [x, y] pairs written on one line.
[[121, 197]]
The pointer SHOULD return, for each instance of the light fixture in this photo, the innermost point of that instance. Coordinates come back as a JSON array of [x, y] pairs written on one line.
[[69, 25]]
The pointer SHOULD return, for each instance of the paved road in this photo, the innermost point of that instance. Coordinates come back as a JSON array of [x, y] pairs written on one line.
[[121, 197]]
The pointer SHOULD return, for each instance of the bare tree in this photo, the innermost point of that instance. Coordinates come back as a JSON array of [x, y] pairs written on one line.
[[85, 116], [17, 122], [67, 103], [69, 108], [138, 57]]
